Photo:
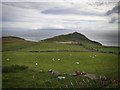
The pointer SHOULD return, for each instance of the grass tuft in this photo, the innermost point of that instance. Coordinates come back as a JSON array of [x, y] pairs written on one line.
[[13, 68]]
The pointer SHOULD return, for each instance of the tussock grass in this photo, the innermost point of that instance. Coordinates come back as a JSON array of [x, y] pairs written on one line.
[[13, 68]]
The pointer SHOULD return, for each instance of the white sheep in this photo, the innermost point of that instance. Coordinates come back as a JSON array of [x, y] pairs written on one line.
[[95, 55], [58, 59], [8, 59], [53, 59], [60, 77], [77, 63], [70, 54], [36, 63]]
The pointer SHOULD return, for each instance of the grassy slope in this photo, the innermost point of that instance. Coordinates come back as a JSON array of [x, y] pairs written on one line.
[[76, 37], [11, 43], [54, 46]]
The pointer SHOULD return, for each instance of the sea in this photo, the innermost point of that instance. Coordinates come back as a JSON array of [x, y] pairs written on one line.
[[107, 38]]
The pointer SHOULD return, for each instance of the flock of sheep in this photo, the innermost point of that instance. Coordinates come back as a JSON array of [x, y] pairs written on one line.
[[56, 72], [92, 56]]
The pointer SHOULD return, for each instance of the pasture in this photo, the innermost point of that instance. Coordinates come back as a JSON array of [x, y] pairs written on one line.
[[54, 46], [27, 74], [102, 64]]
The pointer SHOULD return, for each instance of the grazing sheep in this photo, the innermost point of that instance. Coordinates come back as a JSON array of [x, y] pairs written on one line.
[[70, 54], [36, 63], [83, 73], [61, 77], [8, 59], [58, 59], [95, 55], [53, 59], [74, 74], [50, 70], [77, 63]]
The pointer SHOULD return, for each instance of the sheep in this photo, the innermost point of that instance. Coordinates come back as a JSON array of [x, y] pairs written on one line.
[[36, 64], [61, 77], [53, 59], [77, 63], [70, 54], [58, 59], [74, 74], [8, 59], [83, 73], [95, 55], [50, 70]]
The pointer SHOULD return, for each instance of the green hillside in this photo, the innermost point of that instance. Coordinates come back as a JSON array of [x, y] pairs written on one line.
[[73, 37], [13, 43]]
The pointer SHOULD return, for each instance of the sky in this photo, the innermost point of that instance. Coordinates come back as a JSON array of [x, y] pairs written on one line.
[[60, 16]]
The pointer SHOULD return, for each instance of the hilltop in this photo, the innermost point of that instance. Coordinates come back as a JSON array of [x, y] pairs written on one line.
[[72, 37]]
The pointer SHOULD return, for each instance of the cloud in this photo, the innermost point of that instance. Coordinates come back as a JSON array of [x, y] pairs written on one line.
[[54, 15], [68, 11], [114, 20], [115, 9], [114, 13]]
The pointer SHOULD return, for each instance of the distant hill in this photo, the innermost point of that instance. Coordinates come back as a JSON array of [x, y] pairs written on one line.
[[72, 37], [12, 37]]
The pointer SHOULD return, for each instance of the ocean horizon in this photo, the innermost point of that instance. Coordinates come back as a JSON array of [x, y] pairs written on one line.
[[105, 38]]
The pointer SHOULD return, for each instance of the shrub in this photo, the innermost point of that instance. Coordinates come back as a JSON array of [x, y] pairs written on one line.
[[13, 68], [110, 52]]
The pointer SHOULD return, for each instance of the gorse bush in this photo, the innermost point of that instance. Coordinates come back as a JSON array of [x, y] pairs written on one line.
[[13, 68]]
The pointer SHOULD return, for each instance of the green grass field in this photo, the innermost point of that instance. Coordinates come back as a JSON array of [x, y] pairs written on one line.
[[54, 46], [108, 49], [11, 43], [104, 64]]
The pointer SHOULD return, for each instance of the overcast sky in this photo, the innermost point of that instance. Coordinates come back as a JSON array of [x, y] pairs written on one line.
[[92, 15], [59, 15]]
